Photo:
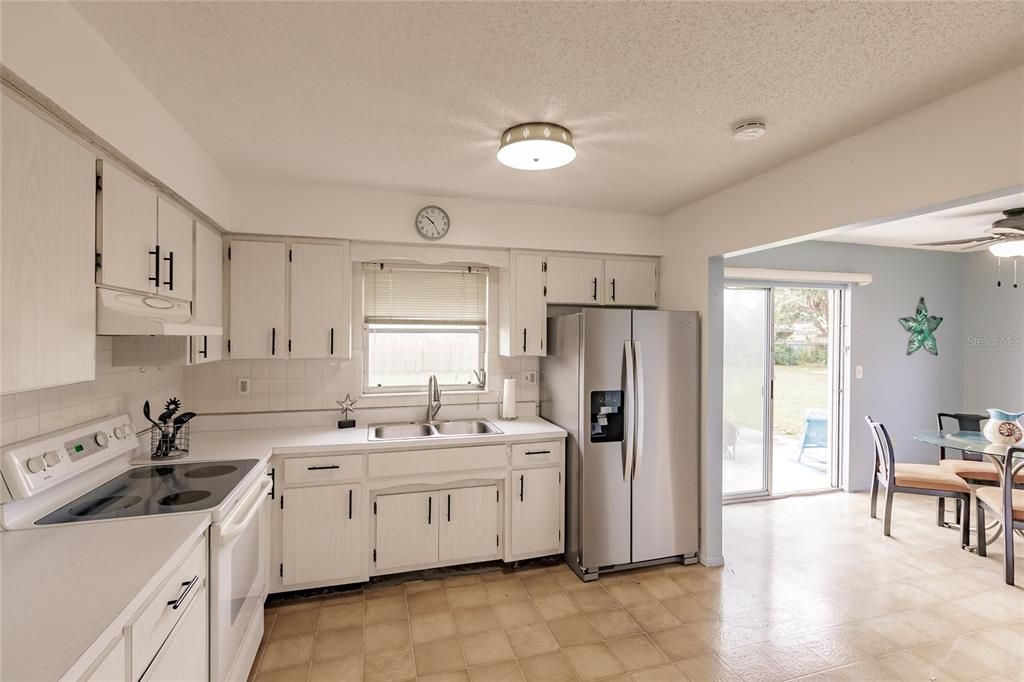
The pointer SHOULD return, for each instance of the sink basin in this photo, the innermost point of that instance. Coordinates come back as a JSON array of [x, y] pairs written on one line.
[[402, 431], [462, 427], [465, 428]]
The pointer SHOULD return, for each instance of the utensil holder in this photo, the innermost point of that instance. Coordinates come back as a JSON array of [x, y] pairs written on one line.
[[166, 443]]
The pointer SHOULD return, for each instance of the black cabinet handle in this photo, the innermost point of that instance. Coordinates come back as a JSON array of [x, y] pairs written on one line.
[[188, 585], [613, 288], [538, 452], [350, 503], [321, 467], [430, 505], [170, 270], [449, 509], [524, 339], [595, 288], [203, 351], [332, 340], [522, 487], [155, 279], [273, 340]]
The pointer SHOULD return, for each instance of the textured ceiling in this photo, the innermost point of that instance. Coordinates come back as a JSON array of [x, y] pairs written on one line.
[[413, 96], [960, 222]]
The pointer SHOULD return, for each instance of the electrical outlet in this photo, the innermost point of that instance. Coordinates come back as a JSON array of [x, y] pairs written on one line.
[[859, 372], [529, 378], [243, 386]]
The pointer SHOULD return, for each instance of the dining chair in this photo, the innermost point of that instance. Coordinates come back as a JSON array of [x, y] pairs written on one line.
[[913, 479], [970, 466], [1007, 504]]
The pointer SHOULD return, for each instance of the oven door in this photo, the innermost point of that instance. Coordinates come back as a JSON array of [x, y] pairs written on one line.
[[239, 553]]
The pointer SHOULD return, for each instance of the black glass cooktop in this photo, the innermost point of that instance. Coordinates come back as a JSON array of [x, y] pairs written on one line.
[[156, 489]]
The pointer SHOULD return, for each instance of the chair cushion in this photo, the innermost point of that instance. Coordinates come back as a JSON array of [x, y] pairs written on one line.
[[929, 477], [993, 498], [977, 471]]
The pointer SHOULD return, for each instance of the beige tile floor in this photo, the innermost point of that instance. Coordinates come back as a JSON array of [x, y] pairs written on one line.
[[811, 590]]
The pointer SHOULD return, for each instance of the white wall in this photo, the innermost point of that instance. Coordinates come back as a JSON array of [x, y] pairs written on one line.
[[375, 215], [969, 143], [50, 46], [994, 336]]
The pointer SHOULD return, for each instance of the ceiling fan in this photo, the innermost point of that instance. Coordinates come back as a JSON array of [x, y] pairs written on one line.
[[1005, 238]]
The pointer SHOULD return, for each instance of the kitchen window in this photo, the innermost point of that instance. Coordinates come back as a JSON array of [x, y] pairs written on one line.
[[422, 320]]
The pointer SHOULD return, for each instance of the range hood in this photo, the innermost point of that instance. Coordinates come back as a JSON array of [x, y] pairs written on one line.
[[126, 313]]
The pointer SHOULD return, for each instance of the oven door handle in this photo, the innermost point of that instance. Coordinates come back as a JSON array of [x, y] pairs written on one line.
[[231, 529]]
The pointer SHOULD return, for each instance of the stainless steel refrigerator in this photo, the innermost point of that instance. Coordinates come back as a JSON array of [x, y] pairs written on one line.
[[625, 384]]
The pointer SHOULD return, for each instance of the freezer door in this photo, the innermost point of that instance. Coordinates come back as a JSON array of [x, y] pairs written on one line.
[[665, 466], [604, 504]]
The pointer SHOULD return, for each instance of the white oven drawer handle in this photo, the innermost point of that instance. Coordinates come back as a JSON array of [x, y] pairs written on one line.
[[233, 530]]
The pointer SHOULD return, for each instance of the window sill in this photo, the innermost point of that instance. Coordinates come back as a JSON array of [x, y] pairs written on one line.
[[418, 399]]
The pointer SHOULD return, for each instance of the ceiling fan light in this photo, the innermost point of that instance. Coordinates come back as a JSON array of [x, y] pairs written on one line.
[[1007, 249], [536, 146]]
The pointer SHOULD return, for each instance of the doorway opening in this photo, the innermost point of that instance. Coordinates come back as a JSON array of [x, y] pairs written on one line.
[[784, 379]]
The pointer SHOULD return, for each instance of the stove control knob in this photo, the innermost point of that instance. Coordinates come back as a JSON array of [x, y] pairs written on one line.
[[52, 458], [34, 465], [120, 432], [102, 439]]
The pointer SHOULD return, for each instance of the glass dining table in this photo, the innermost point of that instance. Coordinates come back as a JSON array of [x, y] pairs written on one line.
[[975, 442]]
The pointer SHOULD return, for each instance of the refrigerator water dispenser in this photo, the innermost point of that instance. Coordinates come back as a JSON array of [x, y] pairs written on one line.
[[606, 416]]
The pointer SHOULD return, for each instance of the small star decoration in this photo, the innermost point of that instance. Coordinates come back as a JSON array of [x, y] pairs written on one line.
[[347, 405], [922, 328]]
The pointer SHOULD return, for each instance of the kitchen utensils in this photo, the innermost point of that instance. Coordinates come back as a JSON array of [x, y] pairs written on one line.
[[169, 439]]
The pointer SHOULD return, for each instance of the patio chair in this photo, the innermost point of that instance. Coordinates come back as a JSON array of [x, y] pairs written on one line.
[[913, 479], [815, 432], [1007, 504]]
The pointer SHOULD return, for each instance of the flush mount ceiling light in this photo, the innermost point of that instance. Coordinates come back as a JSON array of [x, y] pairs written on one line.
[[1007, 249], [746, 131], [536, 146]]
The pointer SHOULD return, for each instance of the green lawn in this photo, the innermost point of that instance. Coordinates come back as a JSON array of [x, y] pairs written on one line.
[[797, 389]]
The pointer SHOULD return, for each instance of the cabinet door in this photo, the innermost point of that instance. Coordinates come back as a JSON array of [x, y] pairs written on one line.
[[530, 327], [631, 282], [468, 527], [175, 237], [536, 511], [574, 280], [113, 667], [208, 301], [128, 232], [47, 259], [406, 530], [258, 298], [185, 656], [322, 535], [320, 301]]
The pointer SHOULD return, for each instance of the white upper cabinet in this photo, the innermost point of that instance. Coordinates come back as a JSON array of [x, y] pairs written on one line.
[[575, 281], [208, 305], [174, 235], [47, 263], [128, 232], [524, 327], [631, 283], [258, 300], [321, 301]]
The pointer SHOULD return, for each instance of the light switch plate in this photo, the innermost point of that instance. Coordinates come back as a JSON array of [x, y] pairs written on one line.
[[859, 372], [530, 378], [244, 385]]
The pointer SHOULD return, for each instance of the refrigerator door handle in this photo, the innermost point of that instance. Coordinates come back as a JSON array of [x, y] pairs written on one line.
[[638, 361], [630, 408]]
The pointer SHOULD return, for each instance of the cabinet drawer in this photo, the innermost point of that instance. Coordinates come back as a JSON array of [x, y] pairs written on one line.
[[159, 617], [535, 454], [323, 469], [434, 461]]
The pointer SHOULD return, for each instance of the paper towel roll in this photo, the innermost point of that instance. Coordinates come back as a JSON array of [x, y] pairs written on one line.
[[508, 399]]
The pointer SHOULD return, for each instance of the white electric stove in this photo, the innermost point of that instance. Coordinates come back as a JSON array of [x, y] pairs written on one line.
[[86, 474]]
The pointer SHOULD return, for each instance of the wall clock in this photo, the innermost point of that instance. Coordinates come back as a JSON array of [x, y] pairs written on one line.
[[432, 222]]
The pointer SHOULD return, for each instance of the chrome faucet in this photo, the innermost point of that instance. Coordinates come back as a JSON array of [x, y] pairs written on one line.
[[433, 398]]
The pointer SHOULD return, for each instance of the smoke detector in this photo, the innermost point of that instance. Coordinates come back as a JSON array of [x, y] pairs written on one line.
[[746, 131]]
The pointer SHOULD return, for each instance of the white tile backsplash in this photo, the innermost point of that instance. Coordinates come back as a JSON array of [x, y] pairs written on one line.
[[116, 390]]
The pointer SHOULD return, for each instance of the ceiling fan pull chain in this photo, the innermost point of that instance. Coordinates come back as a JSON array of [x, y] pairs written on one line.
[[999, 272], [1014, 273]]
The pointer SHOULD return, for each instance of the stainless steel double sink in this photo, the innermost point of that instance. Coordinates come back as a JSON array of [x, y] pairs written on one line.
[[424, 430]]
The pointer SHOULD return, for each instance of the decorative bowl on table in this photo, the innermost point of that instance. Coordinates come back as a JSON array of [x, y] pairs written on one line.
[[1004, 428]]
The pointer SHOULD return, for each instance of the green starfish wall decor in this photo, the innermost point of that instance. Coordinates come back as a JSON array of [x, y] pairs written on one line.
[[922, 328]]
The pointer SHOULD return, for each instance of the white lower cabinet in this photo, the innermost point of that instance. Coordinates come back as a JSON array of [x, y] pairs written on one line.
[[536, 509], [322, 534], [407, 530], [468, 529], [185, 656]]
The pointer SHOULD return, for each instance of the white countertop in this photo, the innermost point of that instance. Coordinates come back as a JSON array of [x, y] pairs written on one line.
[[261, 443], [67, 591]]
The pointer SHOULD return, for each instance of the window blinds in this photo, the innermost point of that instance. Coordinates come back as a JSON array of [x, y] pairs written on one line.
[[417, 294]]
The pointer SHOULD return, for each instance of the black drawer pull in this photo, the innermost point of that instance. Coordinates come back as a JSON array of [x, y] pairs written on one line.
[[524, 339], [332, 340], [188, 585], [595, 288], [350, 503], [273, 340], [430, 505], [449, 508], [613, 288], [538, 452], [155, 279], [321, 467], [170, 270], [522, 487]]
